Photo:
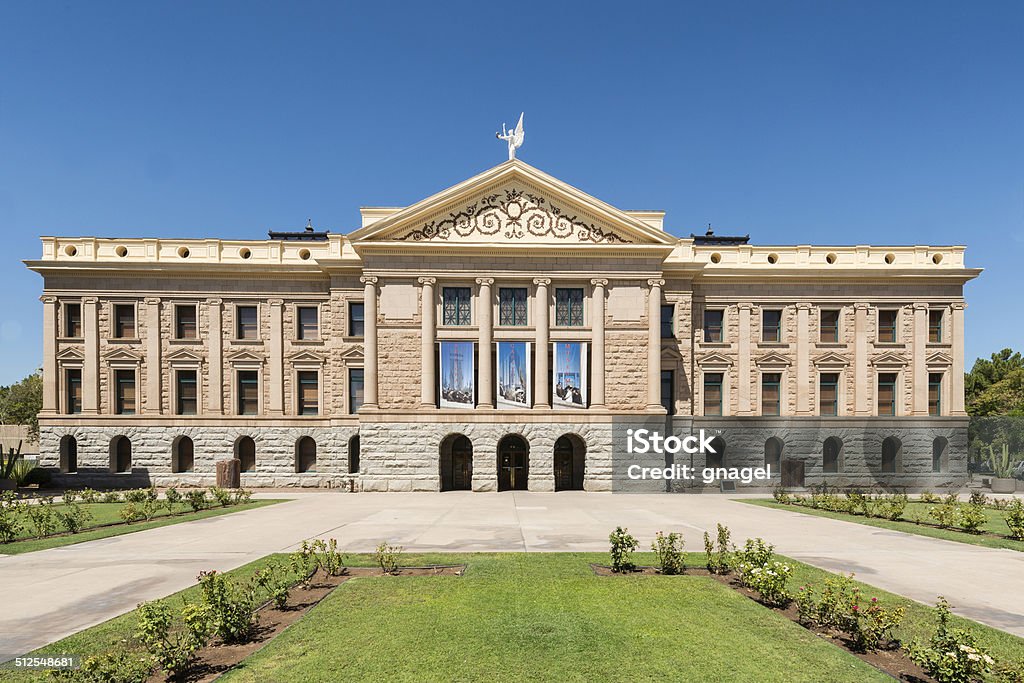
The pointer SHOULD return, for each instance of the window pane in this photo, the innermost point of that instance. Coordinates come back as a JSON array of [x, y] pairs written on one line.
[[309, 393], [713, 326], [125, 392], [187, 392], [887, 326], [668, 312], [248, 322], [887, 394], [248, 392], [713, 393], [456, 306], [74, 391], [828, 395], [771, 326], [512, 306], [186, 322], [569, 307], [935, 326], [124, 321], [770, 402], [355, 389], [829, 327], [355, 319], [308, 323], [668, 381], [73, 320], [935, 394]]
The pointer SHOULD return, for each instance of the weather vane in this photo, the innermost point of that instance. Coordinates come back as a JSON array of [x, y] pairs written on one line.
[[514, 138]]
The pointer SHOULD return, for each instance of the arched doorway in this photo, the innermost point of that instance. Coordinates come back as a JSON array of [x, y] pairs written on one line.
[[68, 454], [245, 451], [716, 458], [456, 454], [121, 455], [570, 462], [305, 455], [513, 463], [353, 455], [773, 453], [182, 455], [892, 450], [832, 452]]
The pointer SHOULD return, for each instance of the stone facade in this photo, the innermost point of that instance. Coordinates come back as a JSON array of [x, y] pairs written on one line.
[[368, 364]]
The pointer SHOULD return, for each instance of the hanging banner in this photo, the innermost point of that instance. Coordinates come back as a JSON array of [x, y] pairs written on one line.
[[457, 386], [569, 388], [515, 382]]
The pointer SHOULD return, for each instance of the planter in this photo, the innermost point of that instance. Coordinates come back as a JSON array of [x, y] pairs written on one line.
[[8, 485], [1003, 485]]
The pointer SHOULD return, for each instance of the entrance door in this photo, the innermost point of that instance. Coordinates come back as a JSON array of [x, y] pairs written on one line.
[[792, 473], [569, 463], [462, 464], [513, 464]]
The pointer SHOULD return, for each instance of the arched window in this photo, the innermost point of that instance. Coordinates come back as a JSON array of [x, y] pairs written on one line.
[[892, 451], [182, 455], [121, 455], [939, 460], [353, 455], [68, 454], [716, 459], [245, 451], [832, 451], [305, 455], [773, 453]]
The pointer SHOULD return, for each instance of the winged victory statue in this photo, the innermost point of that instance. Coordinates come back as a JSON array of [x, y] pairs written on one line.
[[514, 138]]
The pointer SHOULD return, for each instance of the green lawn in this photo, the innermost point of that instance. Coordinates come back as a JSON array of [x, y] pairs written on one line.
[[915, 510], [109, 513]]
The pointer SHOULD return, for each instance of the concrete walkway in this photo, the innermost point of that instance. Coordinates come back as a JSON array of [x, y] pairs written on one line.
[[53, 593]]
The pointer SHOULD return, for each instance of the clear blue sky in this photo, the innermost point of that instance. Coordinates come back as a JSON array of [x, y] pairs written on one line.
[[808, 122]]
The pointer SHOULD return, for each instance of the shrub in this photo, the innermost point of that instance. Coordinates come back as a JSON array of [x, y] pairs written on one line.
[[622, 547], [131, 512], [1010, 673], [929, 497], [806, 605], [10, 516], [172, 497], [221, 496], [241, 497], [136, 496], [978, 498], [872, 624], [1015, 519], [836, 595], [945, 515], [971, 518], [276, 581], [197, 500], [174, 652], [841, 606], [719, 559], [90, 496], [328, 557], [891, 507], [858, 503], [231, 607], [780, 495], [70, 496], [21, 470], [769, 580], [42, 517], [149, 508], [755, 553], [122, 665], [74, 517], [952, 655], [387, 557], [669, 553], [304, 563], [112, 497]]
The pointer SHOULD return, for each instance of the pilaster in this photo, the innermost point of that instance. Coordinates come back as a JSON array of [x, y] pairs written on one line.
[[597, 344], [427, 334], [485, 326], [51, 379], [369, 341], [154, 372], [744, 405], [654, 345], [215, 397], [275, 351], [542, 395]]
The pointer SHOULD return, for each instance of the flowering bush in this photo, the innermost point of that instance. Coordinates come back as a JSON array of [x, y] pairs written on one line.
[[623, 545], [971, 518], [231, 607], [953, 655], [719, 560], [755, 553], [945, 515], [10, 509], [174, 651], [669, 552], [1015, 519], [842, 606], [780, 495], [769, 580], [890, 507]]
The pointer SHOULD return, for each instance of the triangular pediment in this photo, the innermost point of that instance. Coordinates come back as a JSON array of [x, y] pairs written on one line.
[[938, 359], [889, 360], [245, 357], [714, 360], [772, 360], [184, 356], [831, 360], [352, 353], [306, 357], [670, 353], [122, 356], [509, 205], [70, 353]]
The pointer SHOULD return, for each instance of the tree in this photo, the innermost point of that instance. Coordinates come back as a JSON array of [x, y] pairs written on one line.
[[996, 386], [20, 403]]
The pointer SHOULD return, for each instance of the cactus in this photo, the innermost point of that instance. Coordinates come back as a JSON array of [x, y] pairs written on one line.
[[1001, 465]]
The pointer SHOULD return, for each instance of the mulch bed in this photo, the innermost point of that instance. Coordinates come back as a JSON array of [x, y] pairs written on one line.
[[891, 660], [216, 659]]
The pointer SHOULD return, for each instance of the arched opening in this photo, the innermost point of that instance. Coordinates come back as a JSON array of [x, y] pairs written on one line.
[[939, 458], [717, 458], [120, 455], [353, 455], [513, 463], [832, 452], [68, 454], [182, 455], [773, 453], [245, 452], [570, 462], [305, 455], [892, 452], [456, 463]]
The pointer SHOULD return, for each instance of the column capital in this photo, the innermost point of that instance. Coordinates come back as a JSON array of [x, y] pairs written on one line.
[[368, 279], [744, 306], [862, 306], [275, 302], [214, 302], [542, 281], [920, 307], [599, 282], [48, 299], [655, 282], [90, 300], [803, 306], [152, 300], [427, 280], [958, 305], [485, 281]]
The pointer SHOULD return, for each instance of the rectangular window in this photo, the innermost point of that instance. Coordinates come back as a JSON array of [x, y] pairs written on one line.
[[829, 327], [308, 322], [124, 389], [771, 396], [935, 327], [248, 323], [887, 327], [668, 390], [124, 321], [713, 326], [185, 326], [355, 389], [512, 306], [771, 326], [456, 306], [355, 319], [828, 394], [73, 391], [309, 392], [248, 392], [569, 307], [712, 393], [73, 320], [668, 312], [935, 393], [188, 392], [887, 394]]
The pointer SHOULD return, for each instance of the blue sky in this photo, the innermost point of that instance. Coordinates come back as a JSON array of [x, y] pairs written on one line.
[[803, 122]]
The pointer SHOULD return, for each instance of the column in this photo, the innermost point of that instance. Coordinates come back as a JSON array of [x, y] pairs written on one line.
[[51, 379], [275, 351], [154, 372], [597, 344], [91, 363], [369, 342], [542, 392], [427, 333], [861, 396], [743, 404], [215, 399], [803, 360], [485, 325], [654, 345], [920, 377], [957, 380]]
